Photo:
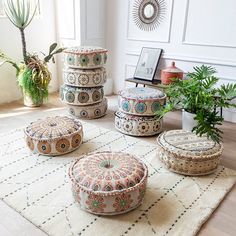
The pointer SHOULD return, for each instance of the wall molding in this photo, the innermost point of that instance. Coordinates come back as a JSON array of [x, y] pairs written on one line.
[[86, 24], [144, 39], [184, 42], [205, 60]]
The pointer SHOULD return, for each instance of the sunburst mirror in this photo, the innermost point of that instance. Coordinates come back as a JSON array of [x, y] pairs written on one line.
[[148, 14]]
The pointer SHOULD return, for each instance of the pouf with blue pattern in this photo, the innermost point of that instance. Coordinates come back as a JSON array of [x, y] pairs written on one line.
[[141, 101]]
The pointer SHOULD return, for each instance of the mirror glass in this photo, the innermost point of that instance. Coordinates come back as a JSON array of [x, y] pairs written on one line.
[[148, 11]]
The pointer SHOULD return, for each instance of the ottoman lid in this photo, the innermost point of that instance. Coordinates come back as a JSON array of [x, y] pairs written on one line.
[[142, 93], [187, 144], [85, 50], [53, 128], [108, 172]]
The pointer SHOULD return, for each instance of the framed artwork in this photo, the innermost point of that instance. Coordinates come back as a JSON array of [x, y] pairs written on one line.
[[147, 63]]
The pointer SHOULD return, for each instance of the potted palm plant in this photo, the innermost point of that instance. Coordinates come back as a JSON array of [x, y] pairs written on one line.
[[199, 97], [32, 73]]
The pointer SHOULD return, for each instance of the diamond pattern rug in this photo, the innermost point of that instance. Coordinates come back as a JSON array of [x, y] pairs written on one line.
[[38, 188]]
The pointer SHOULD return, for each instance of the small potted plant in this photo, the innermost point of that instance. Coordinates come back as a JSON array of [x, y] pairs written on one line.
[[32, 74], [199, 97]]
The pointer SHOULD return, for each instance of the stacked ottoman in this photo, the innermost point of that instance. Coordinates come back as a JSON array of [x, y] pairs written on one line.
[[137, 107], [84, 77]]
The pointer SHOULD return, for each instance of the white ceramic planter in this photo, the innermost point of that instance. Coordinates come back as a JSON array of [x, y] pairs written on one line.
[[188, 121]]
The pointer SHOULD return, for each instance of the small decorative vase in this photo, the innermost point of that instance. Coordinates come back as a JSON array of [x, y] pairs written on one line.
[[28, 101], [188, 121], [170, 73]]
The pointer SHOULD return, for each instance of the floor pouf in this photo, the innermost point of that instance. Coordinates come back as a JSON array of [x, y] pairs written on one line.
[[186, 153], [108, 183], [54, 135], [136, 125], [90, 111], [81, 96], [85, 57], [84, 78], [140, 101]]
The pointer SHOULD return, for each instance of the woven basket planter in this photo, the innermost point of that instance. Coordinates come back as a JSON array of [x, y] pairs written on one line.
[[90, 111], [140, 101], [81, 96], [108, 183], [84, 78], [136, 125], [186, 153], [85, 57], [54, 135]]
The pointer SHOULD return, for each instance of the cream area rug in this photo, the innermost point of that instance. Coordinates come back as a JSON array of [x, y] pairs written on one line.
[[39, 189]]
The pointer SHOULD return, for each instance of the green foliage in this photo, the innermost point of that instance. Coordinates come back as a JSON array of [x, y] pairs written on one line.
[[52, 52], [19, 12], [200, 95], [34, 80], [5, 59]]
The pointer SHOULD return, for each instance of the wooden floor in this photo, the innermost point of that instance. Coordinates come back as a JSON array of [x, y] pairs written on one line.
[[15, 115]]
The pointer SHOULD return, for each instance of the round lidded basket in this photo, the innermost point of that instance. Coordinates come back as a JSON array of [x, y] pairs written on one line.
[[186, 153], [54, 135], [140, 101], [85, 57], [108, 183]]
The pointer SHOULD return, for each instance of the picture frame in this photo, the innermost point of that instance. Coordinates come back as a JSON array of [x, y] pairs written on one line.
[[147, 64]]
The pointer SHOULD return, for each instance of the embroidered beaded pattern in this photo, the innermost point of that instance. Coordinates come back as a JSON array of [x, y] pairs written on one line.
[[81, 96], [136, 125], [108, 183], [90, 111], [141, 101], [84, 78], [54, 135], [186, 153], [85, 57]]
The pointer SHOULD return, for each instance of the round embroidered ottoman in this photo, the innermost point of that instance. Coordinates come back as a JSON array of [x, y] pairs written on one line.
[[84, 78], [186, 153], [85, 57], [54, 135], [90, 111], [136, 125], [108, 183], [81, 96], [140, 101]]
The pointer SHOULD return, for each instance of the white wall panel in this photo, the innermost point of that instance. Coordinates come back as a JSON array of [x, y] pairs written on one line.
[[210, 23]]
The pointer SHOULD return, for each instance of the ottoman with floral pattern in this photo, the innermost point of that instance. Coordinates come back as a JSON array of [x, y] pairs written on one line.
[[81, 96], [186, 153], [108, 183], [136, 125], [84, 78], [54, 135], [90, 111], [140, 101], [85, 57]]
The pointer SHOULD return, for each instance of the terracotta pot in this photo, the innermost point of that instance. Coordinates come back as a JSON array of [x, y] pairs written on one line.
[[171, 72]]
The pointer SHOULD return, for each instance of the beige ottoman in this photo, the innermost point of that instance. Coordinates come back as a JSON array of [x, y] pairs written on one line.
[[85, 57], [108, 183], [54, 135], [186, 153], [137, 125], [140, 101]]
